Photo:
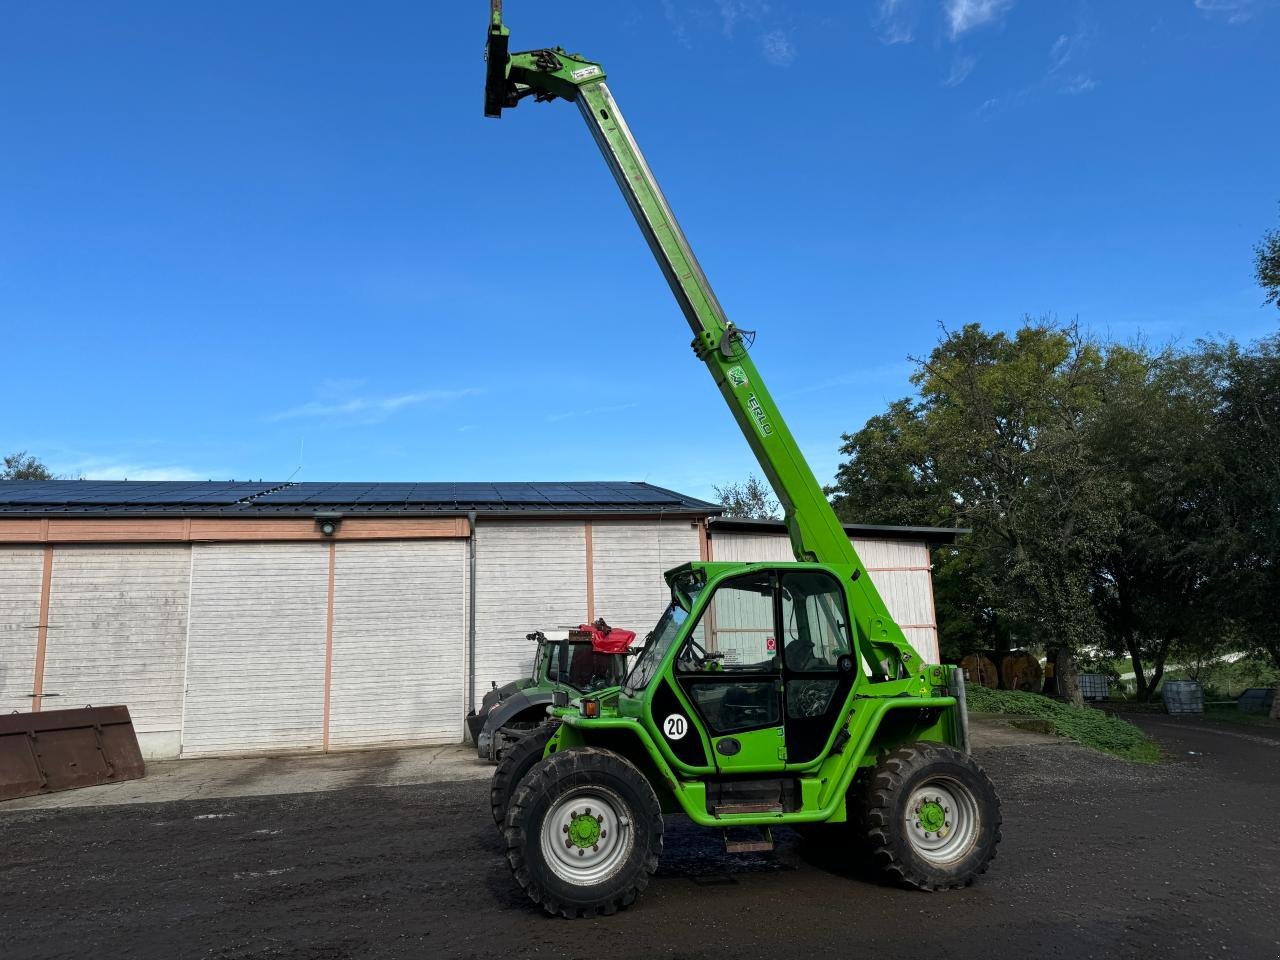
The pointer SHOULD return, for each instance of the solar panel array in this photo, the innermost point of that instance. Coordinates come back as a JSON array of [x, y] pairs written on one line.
[[242, 498], [112, 492]]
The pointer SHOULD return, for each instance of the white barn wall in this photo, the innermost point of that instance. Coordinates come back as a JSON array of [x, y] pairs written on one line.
[[628, 561], [21, 573], [399, 632], [256, 648], [117, 634], [529, 576]]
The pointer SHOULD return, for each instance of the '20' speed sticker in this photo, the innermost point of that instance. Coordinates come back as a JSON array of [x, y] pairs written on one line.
[[675, 727]]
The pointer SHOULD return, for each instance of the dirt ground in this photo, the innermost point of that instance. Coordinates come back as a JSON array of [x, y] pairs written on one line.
[[1101, 858]]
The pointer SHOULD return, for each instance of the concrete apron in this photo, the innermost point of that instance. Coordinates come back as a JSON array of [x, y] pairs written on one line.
[[202, 779]]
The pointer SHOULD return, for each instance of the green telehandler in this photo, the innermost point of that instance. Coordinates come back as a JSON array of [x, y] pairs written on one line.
[[769, 694]]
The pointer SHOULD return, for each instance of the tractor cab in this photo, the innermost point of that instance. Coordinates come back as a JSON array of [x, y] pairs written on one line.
[[589, 660]]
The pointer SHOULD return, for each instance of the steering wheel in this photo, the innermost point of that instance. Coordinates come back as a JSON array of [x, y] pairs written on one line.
[[694, 658]]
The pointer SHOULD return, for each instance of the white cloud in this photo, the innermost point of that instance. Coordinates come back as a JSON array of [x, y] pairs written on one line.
[[1065, 70], [375, 408], [895, 20], [732, 12], [107, 468], [1233, 11], [961, 67], [678, 28], [778, 48], [591, 412], [965, 15]]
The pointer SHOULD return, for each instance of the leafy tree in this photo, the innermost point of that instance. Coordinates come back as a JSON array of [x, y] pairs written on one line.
[[20, 466], [996, 442], [1156, 589], [1266, 265], [752, 499], [1247, 494]]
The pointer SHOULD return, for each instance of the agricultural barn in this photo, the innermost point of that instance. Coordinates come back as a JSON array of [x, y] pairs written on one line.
[[239, 618]]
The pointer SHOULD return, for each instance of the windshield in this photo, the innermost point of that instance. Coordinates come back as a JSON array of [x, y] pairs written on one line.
[[655, 649]]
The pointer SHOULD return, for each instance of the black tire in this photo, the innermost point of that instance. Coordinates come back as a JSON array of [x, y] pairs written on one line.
[[516, 761], [903, 849], [568, 787]]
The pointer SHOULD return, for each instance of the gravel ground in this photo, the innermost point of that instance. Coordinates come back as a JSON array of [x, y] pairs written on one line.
[[1101, 858]]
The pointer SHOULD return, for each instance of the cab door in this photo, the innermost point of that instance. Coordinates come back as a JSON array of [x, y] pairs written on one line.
[[817, 665], [730, 670]]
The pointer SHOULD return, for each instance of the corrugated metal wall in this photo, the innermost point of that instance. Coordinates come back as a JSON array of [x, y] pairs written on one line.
[[21, 573], [256, 648], [900, 569], [529, 576], [118, 621], [399, 626], [629, 561]]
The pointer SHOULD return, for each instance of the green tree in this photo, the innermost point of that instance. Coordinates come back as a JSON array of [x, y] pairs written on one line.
[[996, 442], [1247, 493], [1157, 589], [20, 466], [752, 499], [1266, 265]]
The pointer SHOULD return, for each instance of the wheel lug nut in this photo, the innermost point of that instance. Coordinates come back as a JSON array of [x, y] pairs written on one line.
[[581, 851], [600, 818], [604, 833], [596, 848], [565, 828], [568, 843]]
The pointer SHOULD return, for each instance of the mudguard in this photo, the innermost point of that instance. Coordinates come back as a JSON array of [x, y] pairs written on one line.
[[487, 741]]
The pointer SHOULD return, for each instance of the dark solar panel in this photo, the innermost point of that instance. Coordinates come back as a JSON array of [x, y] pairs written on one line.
[[123, 492], [519, 493], [17, 496]]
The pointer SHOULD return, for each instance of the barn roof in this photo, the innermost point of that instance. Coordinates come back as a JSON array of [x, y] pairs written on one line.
[[130, 498]]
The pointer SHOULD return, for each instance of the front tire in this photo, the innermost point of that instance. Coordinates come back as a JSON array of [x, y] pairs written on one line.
[[517, 760], [583, 833], [931, 816]]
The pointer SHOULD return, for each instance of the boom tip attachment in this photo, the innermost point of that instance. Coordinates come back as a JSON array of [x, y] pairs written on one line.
[[495, 55]]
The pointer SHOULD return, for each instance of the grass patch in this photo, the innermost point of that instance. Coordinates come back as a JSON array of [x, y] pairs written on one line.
[[1086, 726], [1229, 714]]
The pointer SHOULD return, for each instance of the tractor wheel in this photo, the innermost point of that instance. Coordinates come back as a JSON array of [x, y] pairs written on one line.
[[516, 761], [932, 818], [583, 833]]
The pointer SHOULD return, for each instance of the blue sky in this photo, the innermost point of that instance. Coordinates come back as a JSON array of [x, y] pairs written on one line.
[[243, 237]]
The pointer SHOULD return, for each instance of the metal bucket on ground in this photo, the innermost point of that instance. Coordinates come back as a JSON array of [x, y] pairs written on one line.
[[62, 749], [1183, 696]]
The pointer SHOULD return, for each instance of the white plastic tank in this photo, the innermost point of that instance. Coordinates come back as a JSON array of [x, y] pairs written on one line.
[[1183, 696]]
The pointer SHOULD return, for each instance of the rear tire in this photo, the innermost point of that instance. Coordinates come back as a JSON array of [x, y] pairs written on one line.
[[932, 817], [583, 833], [516, 761]]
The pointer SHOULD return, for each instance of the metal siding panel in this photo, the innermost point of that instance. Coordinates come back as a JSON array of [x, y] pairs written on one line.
[[399, 637], [925, 640], [21, 571], [118, 629], [751, 548], [629, 560], [906, 594], [892, 553], [529, 576], [256, 648]]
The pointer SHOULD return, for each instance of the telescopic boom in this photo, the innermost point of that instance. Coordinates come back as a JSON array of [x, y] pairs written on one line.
[[816, 533]]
